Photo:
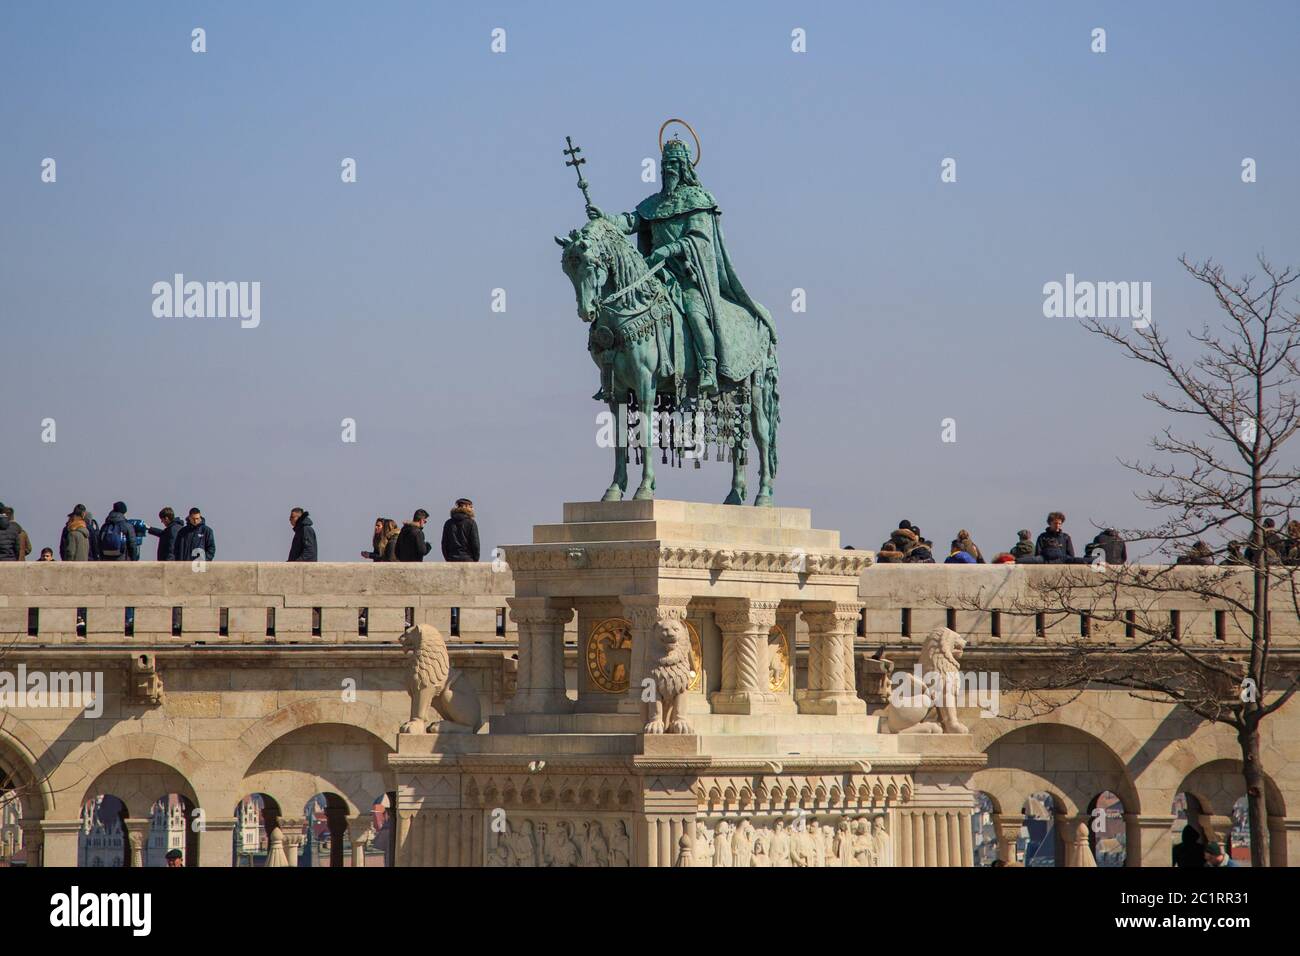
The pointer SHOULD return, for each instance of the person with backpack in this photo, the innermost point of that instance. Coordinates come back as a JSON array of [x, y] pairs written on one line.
[[460, 533], [194, 539], [168, 534], [117, 538], [303, 547], [411, 545]]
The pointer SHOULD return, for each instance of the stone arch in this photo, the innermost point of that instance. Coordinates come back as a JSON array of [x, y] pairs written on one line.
[[1009, 788], [306, 713], [337, 758], [138, 783], [20, 769], [1216, 783], [1084, 717], [79, 775], [1059, 758]]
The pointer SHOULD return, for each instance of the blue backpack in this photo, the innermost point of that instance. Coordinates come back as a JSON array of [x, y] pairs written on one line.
[[112, 542]]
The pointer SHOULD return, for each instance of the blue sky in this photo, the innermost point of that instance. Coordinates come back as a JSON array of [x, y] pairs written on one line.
[[924, 298]]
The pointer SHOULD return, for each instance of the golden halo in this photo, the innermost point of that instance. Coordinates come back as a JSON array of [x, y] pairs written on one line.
[[698, 151]]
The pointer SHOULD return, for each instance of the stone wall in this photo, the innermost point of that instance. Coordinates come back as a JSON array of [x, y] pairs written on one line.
[[299, 712]]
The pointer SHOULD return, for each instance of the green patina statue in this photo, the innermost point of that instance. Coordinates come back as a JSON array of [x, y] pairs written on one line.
[[683, 349]]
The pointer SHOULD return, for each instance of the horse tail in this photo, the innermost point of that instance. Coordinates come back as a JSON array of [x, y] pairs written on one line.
[[772, 405]]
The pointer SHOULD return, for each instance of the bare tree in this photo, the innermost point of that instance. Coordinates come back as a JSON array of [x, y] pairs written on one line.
[[1228, 485]]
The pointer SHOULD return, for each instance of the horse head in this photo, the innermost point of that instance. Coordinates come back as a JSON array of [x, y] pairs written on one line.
[[598, 261]]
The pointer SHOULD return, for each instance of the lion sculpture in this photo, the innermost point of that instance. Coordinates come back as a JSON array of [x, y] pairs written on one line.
[[912, 701], [433, 684], [669, 657]]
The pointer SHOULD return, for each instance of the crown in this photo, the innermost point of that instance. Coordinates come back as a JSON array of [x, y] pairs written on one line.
[[676, 149]]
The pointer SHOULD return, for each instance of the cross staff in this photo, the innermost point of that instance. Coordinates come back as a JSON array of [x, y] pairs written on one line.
[[575, 162]]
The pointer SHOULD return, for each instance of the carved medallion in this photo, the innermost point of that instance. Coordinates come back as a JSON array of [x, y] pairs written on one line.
[[778, 658], [609, 655]]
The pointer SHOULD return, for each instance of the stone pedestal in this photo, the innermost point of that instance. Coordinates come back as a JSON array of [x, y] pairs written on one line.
[[765, 774]]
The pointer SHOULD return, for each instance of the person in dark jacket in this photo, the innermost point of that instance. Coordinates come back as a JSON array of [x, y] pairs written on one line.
[[411, 545], [74, 542], [1191, 851], [117, 540], [1054, 545], [195, 536], [1111, 546], [24, 542], [168, 534], [11, 537], [304, 536], [384, 544], [460, 533]]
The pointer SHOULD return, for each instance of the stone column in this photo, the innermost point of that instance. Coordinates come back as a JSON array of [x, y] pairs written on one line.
[[1072, 831], [831, 685], [59, 842], [668, 815], [34, 842], [1132, 839], [541, 656], [1216, 828], [360, 831], [337, 819], [275, 855], [965, 839], [1008, 827], [215, 842], [745, 625], [136, 834], [1154, 846], [293, 836]]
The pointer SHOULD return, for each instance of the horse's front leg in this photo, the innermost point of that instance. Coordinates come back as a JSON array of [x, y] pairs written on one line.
[[645, 400], [618, 487]]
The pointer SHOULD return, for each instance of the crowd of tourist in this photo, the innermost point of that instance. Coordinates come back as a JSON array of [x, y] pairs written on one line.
[[119, 537], [907, 545]]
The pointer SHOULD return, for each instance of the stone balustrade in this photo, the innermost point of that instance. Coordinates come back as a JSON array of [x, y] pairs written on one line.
[[150, 603], [985, 604]]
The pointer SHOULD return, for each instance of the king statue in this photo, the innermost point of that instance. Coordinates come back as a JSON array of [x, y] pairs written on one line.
[[678, 227]]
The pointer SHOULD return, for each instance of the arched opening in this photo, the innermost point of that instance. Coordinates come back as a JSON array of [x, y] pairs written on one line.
[[326, 841], [102, 840], [1239, 839], [1107, 835], [255, 817], [1220, 811], [1037, 843], [171, 827], [984, 831], [13, 852]]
